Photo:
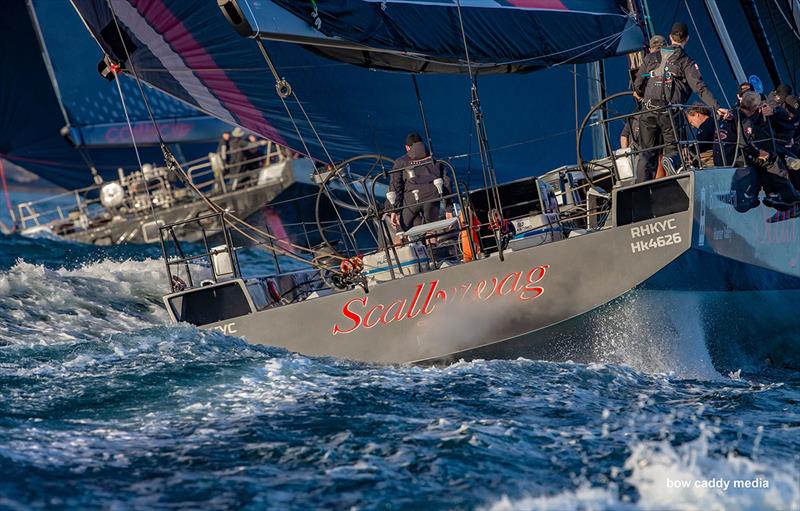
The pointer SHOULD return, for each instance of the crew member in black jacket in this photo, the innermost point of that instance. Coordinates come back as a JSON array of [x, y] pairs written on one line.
[[666, 77], [415, 186], [749, 144]]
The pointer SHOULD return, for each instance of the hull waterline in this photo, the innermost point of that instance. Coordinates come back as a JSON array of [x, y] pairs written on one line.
[[706, 272]]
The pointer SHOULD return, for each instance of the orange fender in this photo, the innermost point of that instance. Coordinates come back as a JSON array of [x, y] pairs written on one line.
[[466, 246]]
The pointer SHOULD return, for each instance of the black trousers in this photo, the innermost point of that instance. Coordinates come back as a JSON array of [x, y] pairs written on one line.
[[655, 128], [421, 213]]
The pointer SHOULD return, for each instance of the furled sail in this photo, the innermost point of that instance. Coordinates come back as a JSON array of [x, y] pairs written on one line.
[[502, 35]]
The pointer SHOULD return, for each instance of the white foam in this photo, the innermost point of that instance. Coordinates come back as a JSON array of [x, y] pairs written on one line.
[[635, 333], [654, 464], [94, 301], [584, 498], [654, 468]]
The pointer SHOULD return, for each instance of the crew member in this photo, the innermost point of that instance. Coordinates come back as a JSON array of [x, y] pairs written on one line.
[[793, 107], [657, 42], [629, 137], [702, 153], [747, 141], [743, 87], [224, 147], [236, 148], [252, 153], [779, 95], [414, 186], [783, 118], [666, 77]]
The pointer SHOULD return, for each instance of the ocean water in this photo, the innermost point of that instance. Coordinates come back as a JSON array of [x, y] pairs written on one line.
[[103, 405]]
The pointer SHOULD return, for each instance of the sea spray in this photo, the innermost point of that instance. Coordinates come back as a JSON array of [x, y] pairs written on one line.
[[104, 404]]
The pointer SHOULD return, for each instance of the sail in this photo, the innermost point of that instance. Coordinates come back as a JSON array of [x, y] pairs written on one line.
[[189, 49], [706, 49], [781, 21], [34, 107], [502, 35], [30, 115], [92, 105]]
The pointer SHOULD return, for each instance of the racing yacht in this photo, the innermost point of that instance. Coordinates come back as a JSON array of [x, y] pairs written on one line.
[[545, 266], [131, 208]]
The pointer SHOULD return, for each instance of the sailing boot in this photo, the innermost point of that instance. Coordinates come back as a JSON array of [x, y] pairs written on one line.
[[669, 168]]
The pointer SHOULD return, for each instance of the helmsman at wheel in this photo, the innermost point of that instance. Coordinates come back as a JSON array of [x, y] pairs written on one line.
[[418, 187], [666, 77]]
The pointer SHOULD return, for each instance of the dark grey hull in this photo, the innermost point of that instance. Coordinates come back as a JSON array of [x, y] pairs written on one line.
[[143, 229], [706, 272]]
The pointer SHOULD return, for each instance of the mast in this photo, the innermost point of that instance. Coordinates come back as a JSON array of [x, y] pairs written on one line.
[[597, 91], [487, 165], [725, 41], [641, 11], [754, 20]]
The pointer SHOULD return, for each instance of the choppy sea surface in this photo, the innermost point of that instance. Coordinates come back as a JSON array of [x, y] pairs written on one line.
[[105, 405]]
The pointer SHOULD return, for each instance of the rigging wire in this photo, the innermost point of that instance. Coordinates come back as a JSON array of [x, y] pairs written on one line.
[[174, 164], [708, 58], [536, 139], [115, 69], [782, 48], [135, 147], [284, 89], [514, 144], [486, 162], [135, 73], [600, 42], [789, 23]]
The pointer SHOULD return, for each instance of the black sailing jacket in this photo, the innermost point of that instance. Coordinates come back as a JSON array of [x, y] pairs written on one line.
[[674, 81]]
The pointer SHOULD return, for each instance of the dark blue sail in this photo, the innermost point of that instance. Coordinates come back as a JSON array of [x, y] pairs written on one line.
[[502, 35], [37, 102], [781, 22], [190, 50], [92, 105]]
